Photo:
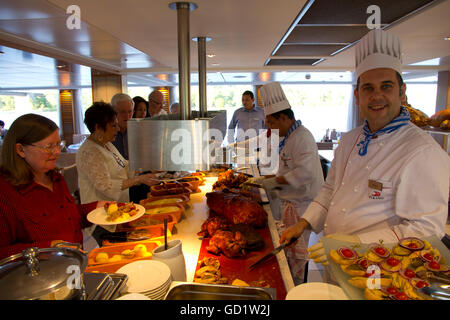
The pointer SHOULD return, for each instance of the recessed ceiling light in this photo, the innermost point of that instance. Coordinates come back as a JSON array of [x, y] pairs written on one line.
[[60, 66], [211, 55]]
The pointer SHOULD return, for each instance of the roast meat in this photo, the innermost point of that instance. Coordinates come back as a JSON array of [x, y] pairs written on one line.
[[237, 208], [213, 224], [232, 244]]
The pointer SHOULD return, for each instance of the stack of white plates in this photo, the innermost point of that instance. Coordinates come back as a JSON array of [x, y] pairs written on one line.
[[148, 277]]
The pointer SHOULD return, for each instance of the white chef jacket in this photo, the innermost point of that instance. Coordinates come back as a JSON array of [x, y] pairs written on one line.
[[299, 164], [413, 172]]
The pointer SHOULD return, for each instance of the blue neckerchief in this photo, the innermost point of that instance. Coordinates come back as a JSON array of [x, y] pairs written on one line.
[[296, 124], [395, 124]]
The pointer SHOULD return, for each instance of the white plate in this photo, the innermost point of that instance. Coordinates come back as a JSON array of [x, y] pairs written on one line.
[[145, 275], [98, 216], [133, 296], [316, 291]]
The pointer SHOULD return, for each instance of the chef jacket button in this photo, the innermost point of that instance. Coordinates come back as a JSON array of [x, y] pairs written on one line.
[[342, 183]]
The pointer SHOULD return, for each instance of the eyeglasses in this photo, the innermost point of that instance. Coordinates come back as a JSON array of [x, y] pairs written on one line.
[[156, 102], [51, 147]]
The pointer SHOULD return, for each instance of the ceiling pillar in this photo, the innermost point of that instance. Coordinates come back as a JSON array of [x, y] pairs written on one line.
[[106, 85]]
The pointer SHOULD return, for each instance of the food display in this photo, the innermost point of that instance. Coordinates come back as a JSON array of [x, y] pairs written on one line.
[[229, 179], [110, 258], [208, 271], [171, 188], [390, 272], [152, 201], [117, 212], [237, 208], [159, 210], [441, 119], [231, 244], [171, 175], [418, 117]]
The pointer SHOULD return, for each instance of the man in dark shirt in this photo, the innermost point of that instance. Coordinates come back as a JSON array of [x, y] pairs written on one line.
[[124, 106]]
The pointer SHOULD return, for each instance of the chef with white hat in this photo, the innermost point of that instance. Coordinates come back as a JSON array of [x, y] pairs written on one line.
[[299, 175], [389, 179]]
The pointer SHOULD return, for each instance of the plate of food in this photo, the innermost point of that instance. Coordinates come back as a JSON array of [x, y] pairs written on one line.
[[395, 271], [171, 175], [116, 213]]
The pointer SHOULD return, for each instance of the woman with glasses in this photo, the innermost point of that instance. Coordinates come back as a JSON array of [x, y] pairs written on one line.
[[36, 207], [103, 174]]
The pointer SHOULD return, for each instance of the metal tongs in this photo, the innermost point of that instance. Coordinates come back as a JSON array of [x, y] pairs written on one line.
[[440, 285], [439, 293]]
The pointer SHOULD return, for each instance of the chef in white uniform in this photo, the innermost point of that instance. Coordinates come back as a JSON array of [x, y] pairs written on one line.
[[299, 175], [389, 179]]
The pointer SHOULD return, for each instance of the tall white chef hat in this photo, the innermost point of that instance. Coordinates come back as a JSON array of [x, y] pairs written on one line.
[[273, 98], [378, 49]]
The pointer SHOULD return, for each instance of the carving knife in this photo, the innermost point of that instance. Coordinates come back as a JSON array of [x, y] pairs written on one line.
[[273, 253]]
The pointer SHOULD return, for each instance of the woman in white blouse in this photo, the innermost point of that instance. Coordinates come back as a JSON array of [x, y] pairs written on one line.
[[103, 174]]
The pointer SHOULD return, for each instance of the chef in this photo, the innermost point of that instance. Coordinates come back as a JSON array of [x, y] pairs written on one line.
[[299, 175], [389, 179]]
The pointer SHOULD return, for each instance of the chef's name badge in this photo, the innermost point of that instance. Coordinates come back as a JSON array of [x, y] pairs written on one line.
[[375, 185], [376, 188]]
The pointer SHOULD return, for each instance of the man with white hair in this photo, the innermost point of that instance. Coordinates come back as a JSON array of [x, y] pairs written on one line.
[[124, 106], [389, 179]]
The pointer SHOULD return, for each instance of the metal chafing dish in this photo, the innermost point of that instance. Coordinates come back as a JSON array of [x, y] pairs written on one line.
[[44, 274], [201, 291]]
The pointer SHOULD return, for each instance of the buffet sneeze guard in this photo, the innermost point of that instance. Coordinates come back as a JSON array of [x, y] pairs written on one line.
[[167, 144]]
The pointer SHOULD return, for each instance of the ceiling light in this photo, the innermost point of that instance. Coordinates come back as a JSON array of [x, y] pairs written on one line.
[[215, 64], [211, 55]]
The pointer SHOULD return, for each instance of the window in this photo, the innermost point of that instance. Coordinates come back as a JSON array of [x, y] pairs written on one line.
[[422, 97], [139, 91], [20, 102], [320, 107]]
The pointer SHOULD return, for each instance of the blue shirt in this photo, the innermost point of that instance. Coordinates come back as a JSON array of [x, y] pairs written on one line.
[[245, 119]]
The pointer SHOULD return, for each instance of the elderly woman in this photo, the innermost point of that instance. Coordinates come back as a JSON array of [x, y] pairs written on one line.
[[103, 174], [140, 107], [36, 207]]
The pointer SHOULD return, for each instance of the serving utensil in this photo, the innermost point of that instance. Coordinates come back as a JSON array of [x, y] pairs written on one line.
[[273, 252], [165, 233]]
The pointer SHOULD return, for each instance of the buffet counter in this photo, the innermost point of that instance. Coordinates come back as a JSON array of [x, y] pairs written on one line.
[[197, 213]]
